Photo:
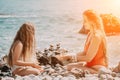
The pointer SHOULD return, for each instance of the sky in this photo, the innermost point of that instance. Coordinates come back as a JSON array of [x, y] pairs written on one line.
[[102, 6]]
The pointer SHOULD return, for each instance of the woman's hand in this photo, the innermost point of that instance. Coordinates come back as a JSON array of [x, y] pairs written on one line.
[[64, 57]]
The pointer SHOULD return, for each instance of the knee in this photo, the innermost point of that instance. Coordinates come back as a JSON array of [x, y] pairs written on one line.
[[69, 67]]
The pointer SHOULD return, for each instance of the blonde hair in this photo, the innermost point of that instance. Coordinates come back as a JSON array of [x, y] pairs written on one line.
[[26, 35], [94, 19], [96, 22]]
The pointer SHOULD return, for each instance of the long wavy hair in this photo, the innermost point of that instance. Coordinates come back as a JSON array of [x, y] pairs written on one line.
[[26, 35], [96, 23]]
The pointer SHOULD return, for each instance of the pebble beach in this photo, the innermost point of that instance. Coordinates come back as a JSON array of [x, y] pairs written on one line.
[[60, 73]]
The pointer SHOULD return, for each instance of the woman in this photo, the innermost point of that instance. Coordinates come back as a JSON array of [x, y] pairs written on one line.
[[21, 57], [95, 52]]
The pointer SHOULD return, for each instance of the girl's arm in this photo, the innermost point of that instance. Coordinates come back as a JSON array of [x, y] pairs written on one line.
[[70, 58], [92, 50], [16, 55]]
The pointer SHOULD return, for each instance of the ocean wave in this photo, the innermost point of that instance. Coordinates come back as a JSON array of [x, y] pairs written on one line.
[[17, 16]]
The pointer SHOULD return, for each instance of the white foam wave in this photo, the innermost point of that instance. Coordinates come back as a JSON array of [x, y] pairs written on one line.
[[18, 16]]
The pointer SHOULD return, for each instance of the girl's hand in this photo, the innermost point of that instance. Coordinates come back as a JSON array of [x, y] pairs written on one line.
[[36, 66], [41, 70]]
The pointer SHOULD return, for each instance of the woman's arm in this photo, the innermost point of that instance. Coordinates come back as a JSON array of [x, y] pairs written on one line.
[[64, 57], [81, 53], [92, 50], [16, 55], [69, 58]]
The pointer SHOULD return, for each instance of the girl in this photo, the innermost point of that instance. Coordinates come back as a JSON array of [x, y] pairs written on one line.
[[21, 57]]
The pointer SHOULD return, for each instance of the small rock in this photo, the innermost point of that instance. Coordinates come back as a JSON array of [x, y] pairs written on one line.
[[103, 77], [113, 74], [51, 48], [7, 78]]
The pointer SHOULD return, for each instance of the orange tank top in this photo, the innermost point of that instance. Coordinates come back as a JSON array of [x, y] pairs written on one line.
[[99, 58]]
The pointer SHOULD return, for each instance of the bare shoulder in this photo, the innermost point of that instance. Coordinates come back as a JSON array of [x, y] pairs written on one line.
[[18, 44], [17, 48]]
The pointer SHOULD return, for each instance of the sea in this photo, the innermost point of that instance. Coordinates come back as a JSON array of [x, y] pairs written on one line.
[[56, 21]]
